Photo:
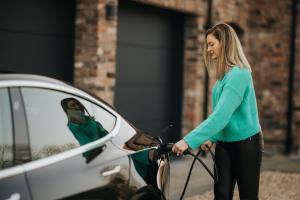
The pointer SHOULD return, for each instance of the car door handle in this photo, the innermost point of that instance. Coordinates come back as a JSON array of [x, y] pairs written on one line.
[[115, 170]]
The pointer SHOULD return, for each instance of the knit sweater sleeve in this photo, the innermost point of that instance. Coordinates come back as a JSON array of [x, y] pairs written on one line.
[[230, 99]]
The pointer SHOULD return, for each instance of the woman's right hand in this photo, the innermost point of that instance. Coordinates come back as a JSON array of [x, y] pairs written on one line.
[[206, 145]]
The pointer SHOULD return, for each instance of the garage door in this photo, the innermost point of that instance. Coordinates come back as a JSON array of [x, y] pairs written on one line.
[[37, 37], [149, 68]]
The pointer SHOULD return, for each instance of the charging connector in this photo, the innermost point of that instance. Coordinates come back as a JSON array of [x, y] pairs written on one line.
[[167, 148]]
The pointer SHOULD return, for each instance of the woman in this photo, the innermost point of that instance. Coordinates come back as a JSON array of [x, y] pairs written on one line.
[[84, 127], [233, 125]]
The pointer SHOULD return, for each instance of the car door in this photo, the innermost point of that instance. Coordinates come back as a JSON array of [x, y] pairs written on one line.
[[65, 162], [12, 178]]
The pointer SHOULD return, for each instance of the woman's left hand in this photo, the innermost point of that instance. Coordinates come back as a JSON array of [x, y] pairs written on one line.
[[180, 147]]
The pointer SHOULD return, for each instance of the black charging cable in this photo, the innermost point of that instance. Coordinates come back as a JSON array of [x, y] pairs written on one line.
[[189, 175], [196, 157], [167, 148]]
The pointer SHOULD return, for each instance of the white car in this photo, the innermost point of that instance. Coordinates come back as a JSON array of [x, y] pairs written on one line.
[[59, 142]]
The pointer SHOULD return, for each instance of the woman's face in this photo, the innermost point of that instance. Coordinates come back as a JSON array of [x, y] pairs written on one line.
[[213, 46], [73, 105]]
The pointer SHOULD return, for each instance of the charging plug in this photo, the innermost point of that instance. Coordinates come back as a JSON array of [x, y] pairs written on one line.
[[165, 149]]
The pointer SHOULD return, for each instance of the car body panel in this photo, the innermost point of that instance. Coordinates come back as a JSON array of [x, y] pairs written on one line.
[[73, 175], [13, 184]]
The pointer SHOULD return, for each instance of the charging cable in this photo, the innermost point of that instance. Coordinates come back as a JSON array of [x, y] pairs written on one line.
[[167, 148]]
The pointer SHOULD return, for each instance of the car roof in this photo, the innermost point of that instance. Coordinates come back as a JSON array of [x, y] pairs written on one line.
[[30, 77], [45, 79]]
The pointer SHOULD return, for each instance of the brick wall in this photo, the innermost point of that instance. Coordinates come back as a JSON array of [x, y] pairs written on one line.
[[95, 49], [194, 74], [270, 28]]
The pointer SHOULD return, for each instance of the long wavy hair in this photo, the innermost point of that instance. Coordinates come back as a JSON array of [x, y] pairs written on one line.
[[230, 54]]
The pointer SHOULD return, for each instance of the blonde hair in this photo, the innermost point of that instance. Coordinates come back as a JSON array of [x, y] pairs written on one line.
[[230, 54]]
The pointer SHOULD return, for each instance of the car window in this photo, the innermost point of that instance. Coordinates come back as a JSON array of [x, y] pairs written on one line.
[[59, 121], [6, 135], [107, 120]]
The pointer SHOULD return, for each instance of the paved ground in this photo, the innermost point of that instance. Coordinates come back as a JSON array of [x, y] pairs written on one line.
[[274, 185], [202, 183]]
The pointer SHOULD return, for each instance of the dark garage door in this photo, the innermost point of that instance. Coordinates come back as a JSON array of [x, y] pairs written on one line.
[[149, 68], [37, 36]]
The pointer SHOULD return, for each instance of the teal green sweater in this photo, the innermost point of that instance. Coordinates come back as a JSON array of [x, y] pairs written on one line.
[[234, 116]]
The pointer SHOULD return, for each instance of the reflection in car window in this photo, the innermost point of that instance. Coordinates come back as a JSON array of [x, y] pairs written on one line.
[[83, 126], [47, 122], [59, 122], [6, 141], [107, 119]]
